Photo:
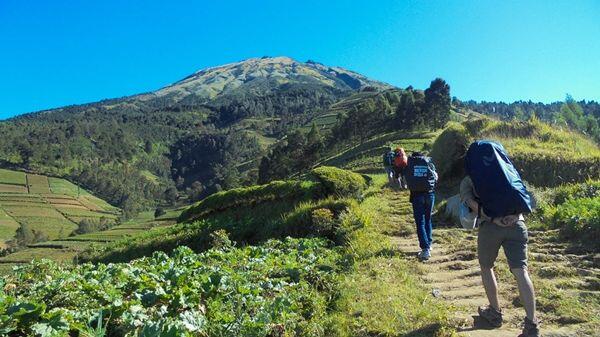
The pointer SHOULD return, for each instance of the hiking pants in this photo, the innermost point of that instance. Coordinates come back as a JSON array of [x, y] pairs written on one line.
[[422, 208]]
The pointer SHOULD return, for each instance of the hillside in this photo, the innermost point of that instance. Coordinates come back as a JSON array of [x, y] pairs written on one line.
[[46, 207], [348, 269], [190, 135]]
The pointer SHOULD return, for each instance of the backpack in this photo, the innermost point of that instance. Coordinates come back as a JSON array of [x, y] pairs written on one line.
[[420, 174], [388, 159], [401, 160], [498, 184]]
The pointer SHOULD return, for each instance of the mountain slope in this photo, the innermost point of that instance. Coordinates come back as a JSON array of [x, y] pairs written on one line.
[[191, 135]]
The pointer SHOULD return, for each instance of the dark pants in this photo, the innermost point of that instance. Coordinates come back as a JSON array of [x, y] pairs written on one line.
[[422, 208]]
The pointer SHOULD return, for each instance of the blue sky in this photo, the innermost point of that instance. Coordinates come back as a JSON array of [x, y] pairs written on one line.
[[55, 53]]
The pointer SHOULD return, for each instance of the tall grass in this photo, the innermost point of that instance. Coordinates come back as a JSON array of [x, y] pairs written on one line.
[[543, 154]]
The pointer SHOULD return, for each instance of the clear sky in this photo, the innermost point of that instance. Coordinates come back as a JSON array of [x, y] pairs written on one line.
[[55, 53]]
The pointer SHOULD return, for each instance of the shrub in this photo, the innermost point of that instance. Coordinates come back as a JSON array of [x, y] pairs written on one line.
[[90, 226], [338, 182], [589, 189], [579, 218], [449, 150], [158, 212], [293, 191], [316, 219]]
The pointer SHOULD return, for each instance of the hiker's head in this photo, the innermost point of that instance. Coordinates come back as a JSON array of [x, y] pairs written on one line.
[[417, 154], [399, 150]]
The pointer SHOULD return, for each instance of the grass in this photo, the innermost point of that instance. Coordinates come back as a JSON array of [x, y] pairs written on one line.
[[65, 187], [12, 177], [38, 184], [543, 154], [382, 295], [54, 228], [6, 188], [28, 211], [366, 157], [8, 227], [45, 205]]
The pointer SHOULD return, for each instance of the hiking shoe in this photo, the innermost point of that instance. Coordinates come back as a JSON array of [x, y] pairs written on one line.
[[530, 329], [491, 315], [424, 255]]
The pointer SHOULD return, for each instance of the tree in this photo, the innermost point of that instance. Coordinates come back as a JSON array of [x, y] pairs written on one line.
[[437, 101], [171, 195]]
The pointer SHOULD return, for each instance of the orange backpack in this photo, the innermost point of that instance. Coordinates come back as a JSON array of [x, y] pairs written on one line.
[[401, 159]]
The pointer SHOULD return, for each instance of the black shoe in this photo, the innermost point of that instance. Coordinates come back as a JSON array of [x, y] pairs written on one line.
[[530, 329], [491, 315]]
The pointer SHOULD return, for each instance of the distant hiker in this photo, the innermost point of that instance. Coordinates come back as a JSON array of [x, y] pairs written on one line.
[[421, 178], [388, 165], [400, 163], [494, 189]]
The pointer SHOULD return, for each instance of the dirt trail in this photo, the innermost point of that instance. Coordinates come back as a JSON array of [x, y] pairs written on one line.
[[453, 274]]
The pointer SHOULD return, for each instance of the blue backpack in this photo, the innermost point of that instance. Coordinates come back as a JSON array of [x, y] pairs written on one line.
[[498, 184], [420, 174], [388, 159]]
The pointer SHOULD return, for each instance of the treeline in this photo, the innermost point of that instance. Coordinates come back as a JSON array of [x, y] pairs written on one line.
[[583, 116], [369, 114]]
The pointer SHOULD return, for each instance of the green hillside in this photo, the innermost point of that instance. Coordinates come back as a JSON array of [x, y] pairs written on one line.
[[49, 206], [328, 254]]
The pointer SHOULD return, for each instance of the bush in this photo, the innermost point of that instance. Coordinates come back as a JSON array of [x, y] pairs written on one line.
[[338, 182], [316, 219], [90, 226], [449, 150], [293, 191], [589, 189], [579, 218], [158, 212]]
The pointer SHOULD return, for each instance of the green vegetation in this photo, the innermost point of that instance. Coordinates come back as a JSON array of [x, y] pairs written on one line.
[[12, 177], [583, 116], [545, 155], [281, 287], [574, 209], [250, 215], [339, 182], [45, 208]]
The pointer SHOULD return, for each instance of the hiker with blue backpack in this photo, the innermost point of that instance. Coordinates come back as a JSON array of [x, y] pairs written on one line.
[[495, 193], [421, 178], [388, 165]]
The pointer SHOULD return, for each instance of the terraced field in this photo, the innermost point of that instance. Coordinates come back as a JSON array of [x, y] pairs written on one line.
[[52, 206], [66, 249]]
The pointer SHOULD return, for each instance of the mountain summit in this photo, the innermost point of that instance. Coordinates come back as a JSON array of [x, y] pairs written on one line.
[[212, 82]]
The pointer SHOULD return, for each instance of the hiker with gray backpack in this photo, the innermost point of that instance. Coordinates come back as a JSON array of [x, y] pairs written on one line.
[[421, 178], [495, 193]]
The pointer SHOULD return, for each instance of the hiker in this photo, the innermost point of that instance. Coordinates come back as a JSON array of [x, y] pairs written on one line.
[[494, 190], [421, 178], [400, 163], [388, 165]]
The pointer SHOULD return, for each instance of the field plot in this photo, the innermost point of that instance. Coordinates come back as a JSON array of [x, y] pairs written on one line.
[[54, 228], [67, 248], [8, 227], [25, 256], [51, 206], [38, 184], [7, 188], [12, 177], [96, 204]]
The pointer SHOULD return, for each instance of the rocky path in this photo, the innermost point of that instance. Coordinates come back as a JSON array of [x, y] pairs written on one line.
[[453, 275]]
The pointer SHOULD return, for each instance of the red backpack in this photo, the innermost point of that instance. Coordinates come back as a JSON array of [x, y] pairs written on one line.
[[401, 159]]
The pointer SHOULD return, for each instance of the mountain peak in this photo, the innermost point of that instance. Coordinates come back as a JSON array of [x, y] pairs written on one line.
[[212, 82]]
